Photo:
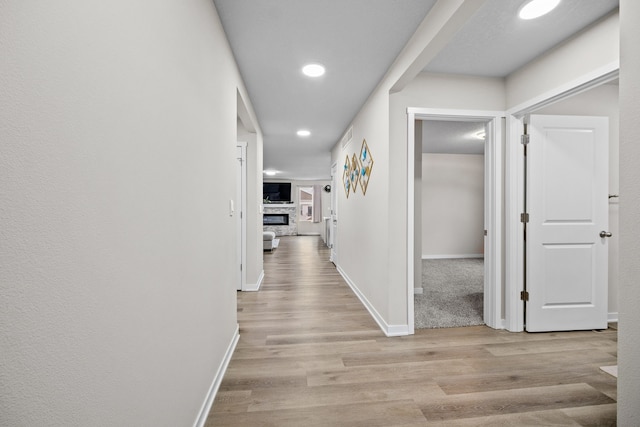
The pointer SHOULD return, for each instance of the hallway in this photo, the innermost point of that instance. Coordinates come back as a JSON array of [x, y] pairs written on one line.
[[311, 355]]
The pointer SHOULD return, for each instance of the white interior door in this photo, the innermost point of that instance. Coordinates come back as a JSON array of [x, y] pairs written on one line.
[[241, 221], [567, 203], [333, 222]]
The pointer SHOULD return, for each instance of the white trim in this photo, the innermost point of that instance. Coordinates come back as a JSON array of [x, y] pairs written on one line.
[[256, 287], [514, 205], [514, 187], [203, 414], [242, 207], [493, 153], [455, 115], [612, 317], [411, 206], [458, 256], [389, 330], [583, 83], [333, 217]]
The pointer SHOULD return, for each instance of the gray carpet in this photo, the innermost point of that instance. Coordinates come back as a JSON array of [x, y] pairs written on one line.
[[453, 293]]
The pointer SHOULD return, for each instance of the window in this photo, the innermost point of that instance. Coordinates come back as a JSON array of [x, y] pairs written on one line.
[[305, 203]]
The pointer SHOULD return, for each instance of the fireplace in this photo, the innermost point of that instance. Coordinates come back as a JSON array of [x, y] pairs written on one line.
[[275, 219]]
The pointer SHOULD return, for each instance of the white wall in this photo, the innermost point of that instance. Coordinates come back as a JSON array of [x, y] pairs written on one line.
[[629, 338], [117, 278], [363, 218], [452, 205], [602, 101], [593, 48]]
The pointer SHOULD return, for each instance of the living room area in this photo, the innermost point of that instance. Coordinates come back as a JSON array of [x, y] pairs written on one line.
[[294, 208]]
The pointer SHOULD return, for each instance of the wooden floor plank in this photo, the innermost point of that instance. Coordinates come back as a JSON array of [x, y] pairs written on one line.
[[514, 401], [310, 354], [418, 391], [378, 414], [423, 355], [426, 370], [517, 378]]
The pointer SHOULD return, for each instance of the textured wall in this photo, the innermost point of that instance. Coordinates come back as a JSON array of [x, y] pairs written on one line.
[[116, 261], [452, 205], [629, 338], [595, 47]]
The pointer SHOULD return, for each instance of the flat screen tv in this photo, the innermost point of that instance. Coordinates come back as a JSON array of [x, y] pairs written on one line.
[[276, 191]]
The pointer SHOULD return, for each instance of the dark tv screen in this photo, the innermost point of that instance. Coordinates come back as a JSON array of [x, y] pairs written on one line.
[[276, 191]]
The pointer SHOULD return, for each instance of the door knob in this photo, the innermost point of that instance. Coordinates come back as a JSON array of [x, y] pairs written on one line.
[[604, 234]]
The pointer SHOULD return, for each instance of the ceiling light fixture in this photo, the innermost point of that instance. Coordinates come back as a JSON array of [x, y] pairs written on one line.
[[270, 173], [536, 8], [303, 132], [313, 70]]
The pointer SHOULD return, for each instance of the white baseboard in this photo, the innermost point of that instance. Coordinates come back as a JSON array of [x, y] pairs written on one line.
[[217, 379], [612, 317], [453, 256], [254, 287], [389, 330]]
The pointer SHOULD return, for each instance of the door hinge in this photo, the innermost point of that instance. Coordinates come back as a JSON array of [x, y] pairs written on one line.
[[524, 296], [524, 139], [485, 232], [524, 217]]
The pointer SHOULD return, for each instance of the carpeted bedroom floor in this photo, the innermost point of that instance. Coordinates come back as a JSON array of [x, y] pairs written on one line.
[[453, 293]]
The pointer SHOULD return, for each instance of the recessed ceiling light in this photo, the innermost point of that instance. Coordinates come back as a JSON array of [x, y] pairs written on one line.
[[313, 70], [270, 173], [303, 132], [537, 8]]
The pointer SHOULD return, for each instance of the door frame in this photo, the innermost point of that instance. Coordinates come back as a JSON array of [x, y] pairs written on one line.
[[514, 193], [333, 216], [493, 243], [240, 209]]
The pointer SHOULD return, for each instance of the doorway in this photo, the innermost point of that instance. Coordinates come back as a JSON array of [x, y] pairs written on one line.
[[602, 101], [493, 121], [566, 100], [451, 237], [333, 217]]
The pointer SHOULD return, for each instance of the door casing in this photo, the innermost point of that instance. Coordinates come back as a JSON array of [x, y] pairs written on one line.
[[333, 221], [514, 185], [493, 191], [241, 217]]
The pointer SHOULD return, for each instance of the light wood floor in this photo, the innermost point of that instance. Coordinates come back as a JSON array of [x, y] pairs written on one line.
[[311, 355]]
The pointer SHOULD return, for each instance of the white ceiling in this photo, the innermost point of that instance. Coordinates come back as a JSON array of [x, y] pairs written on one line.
[[496, 43], [357, 40]]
